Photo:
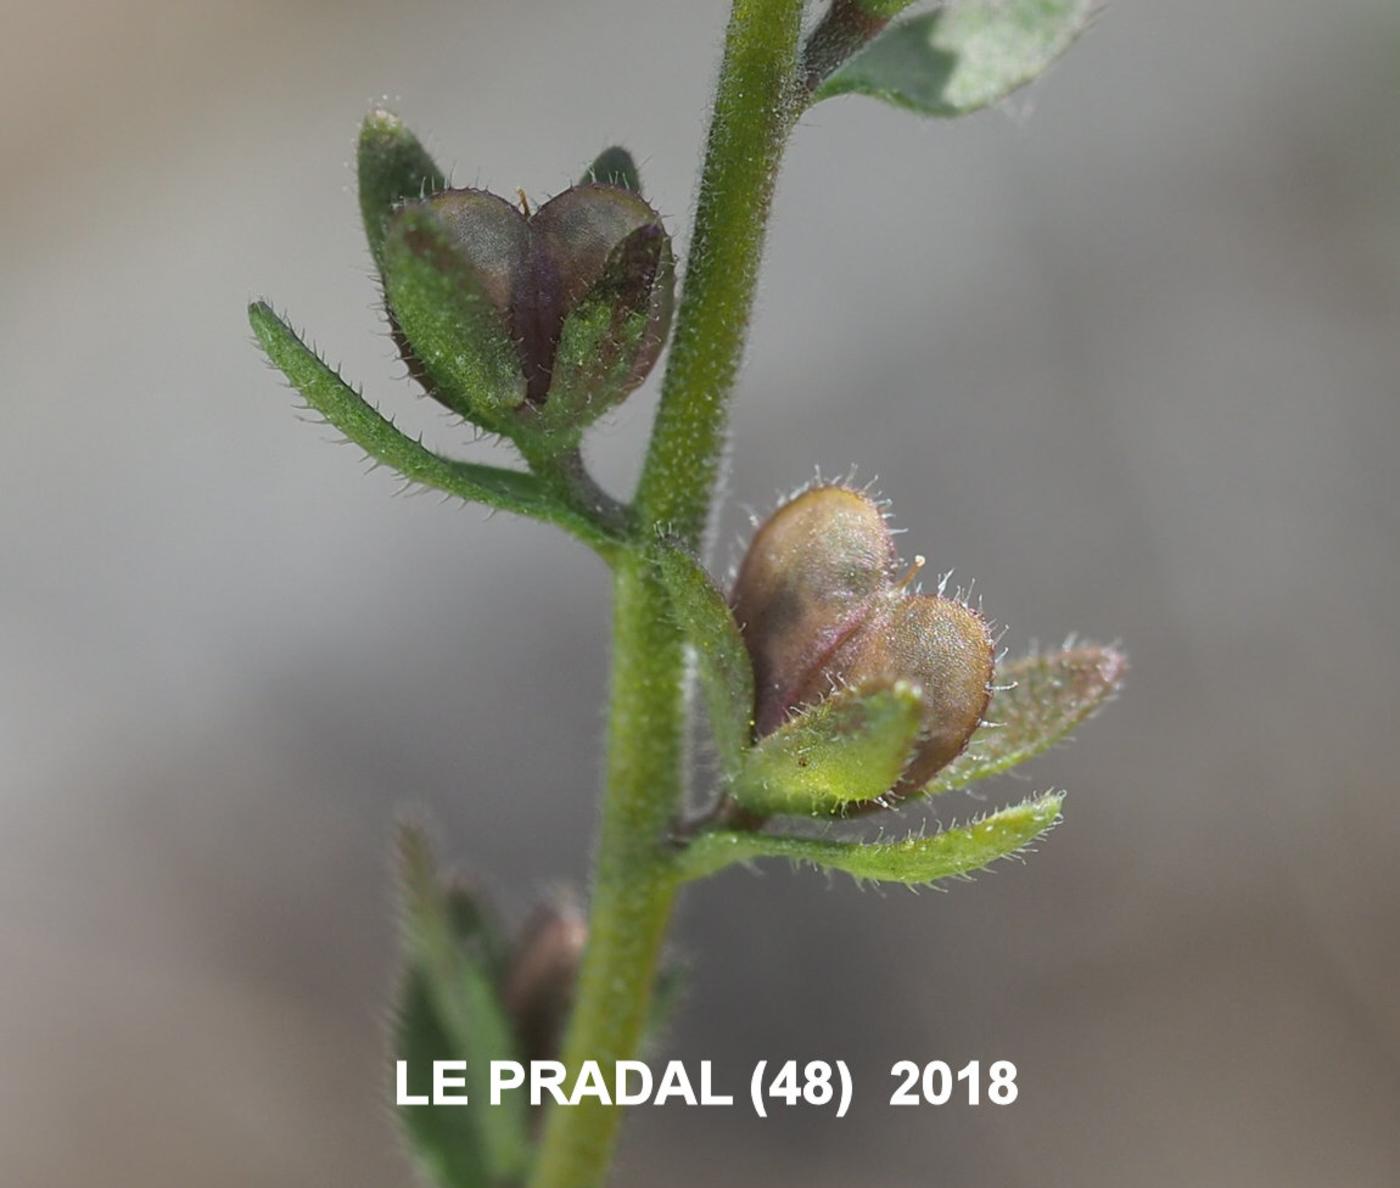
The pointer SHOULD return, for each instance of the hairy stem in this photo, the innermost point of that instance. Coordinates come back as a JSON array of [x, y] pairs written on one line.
[[755, 106], [635, 876], [634, 883]]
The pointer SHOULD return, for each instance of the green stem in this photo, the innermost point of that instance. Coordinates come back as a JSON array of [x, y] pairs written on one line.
[[634, 882], [755, 106], [635, 876]]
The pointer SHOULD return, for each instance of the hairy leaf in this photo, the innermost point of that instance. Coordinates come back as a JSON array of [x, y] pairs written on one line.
[[962, 57], [726, 675], [915, 860], [851, 746], [1049, 695], [451, 1010], [444, 1140], [343, 407], [392, 166]]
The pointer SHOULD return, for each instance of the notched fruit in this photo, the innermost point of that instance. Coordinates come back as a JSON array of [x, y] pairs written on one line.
[[581, 288], [805, 585], [821, 610]]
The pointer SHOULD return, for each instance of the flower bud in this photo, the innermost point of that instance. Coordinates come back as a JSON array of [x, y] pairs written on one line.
[[819, 610], [531, 325]]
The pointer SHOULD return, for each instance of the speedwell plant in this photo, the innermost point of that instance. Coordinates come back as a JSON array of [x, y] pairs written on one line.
[[834, 688]]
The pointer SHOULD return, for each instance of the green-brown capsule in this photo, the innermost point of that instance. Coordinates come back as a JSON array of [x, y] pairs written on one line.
[[531, 325], [820, 609]]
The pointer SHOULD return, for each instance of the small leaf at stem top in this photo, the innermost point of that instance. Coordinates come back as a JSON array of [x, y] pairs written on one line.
[[962, 57]]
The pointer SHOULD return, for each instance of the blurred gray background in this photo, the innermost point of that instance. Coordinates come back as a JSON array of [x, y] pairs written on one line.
[[1127, 354]]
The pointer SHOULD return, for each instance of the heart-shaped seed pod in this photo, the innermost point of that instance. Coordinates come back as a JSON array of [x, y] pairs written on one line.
[[935, 643], [805, 585], [820, 610], [581, 289]]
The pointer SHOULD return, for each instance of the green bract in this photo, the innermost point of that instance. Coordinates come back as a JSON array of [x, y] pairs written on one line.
[[851, 746], [916, 859], [391, 166], [450, 1008], [1038, 701], [726, 677]]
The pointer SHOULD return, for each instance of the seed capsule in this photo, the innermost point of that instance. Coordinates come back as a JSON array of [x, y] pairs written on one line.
[[806, 583], [579, 292], [820, 610]]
